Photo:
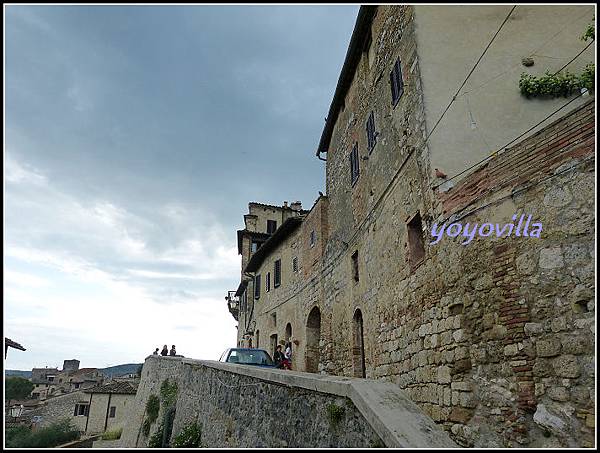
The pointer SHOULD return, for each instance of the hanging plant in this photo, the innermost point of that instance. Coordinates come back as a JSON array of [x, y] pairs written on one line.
[[557, 85]]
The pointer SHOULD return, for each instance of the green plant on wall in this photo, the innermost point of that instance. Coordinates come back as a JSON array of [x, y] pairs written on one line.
[[156, 439], [560, 84], [152, 409], [189, 437], [335, 414], [168, 393]]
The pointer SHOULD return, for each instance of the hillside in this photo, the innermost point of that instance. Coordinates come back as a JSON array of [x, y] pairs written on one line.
[[111, 371]]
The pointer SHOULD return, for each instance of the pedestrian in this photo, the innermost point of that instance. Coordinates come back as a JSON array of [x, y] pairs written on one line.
[[165, 351], [278, 357], [172, 352], [287, 363], [155, 351]]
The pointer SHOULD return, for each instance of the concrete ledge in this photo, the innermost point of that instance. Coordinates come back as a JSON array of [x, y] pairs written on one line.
[[393, 416]]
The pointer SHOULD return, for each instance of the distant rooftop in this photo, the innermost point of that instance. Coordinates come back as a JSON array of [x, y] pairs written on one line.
[[8, 343], [123, 387]]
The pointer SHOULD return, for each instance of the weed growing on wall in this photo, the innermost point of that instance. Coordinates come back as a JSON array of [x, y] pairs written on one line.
[[335, 414], [168, 393], [156, 439], [189, 437], [152, 409]]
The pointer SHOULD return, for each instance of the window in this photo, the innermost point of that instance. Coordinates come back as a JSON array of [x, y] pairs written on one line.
[[271, 226], [396, 83], [268, 282], [112, 412], [416, 243], [313, 238], [355, 265], [77, 385], [277, 281], [82, 409], [255, 246], [257, 287], [371, 134], [274, 321], [354, 168], [295, 264]]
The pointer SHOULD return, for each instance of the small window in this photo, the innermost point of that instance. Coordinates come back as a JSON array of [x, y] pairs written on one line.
[[82, 409], [313, 238], [354, 167], [295, 264], [255, 246], [396, 83], [268, 282], [277, 273], [416, 243], [112, 412], [371, 134], [274, 323], [355, 265], [271, 226], [257, 287]]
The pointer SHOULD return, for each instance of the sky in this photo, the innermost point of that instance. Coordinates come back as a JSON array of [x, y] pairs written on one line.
[[135, 136]]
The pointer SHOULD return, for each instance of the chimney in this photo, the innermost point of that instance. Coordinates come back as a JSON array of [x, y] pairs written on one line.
[[296, 206]]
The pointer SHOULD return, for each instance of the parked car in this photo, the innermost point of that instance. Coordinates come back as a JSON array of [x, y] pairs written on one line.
[[248, 356]]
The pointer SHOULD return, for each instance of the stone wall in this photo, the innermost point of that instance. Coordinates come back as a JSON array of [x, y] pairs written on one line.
[[61, 407], [246, 406]]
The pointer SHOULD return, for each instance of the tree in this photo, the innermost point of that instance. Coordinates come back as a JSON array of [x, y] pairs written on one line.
[[18, 388]]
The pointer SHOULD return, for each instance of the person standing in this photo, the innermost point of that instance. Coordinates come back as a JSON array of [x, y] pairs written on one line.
[[155, 352], [165, 351], [288, 356], [278, 357], [172, 352]]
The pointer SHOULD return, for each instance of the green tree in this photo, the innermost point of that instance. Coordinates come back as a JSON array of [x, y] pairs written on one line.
[[18, 388]]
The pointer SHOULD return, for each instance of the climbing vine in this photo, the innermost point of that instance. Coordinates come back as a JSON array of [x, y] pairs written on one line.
[[560, 84], [152, 409], [168, 393]]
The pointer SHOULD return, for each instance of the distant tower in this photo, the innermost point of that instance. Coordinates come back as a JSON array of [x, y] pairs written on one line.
[[70, 365]]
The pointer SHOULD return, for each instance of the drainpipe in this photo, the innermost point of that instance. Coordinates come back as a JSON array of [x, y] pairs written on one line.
[[87, 417], [107, 410]]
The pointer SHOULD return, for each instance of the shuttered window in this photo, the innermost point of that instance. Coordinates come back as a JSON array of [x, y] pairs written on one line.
[[277, 273], [354, 167], [371, 134], [257, 287], [396, 82]]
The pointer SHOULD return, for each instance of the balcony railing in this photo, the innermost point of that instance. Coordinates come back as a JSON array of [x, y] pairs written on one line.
[[233, 304]]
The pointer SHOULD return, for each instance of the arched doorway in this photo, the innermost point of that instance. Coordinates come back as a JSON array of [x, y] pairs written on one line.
[[257, 339], [313, 337], [358, 345], [288, 332]]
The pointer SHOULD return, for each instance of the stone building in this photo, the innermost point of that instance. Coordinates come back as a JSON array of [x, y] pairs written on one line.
[[49, 382], [94, 410], [490, 336]]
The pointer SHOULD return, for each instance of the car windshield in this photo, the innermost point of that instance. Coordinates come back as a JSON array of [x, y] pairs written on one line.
[[250, 357]]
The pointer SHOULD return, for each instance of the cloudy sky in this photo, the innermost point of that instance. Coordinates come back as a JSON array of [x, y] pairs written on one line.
[[134, 139]]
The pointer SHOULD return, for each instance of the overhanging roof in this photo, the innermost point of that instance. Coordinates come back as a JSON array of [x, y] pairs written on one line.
[[360, 34], [277, 238], [253, 234]]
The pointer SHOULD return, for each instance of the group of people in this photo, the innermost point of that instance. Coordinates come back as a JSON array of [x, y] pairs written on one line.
[[165, 351], [283, 359]]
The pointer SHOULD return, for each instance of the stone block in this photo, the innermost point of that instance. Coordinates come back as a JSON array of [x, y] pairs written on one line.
[[566, 366], [548, 347]]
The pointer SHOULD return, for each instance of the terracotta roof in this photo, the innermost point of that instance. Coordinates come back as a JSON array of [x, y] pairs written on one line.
[[114, 387], [13, 344]]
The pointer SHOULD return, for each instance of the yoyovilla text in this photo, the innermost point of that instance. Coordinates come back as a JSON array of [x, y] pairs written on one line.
[[521, 229]]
